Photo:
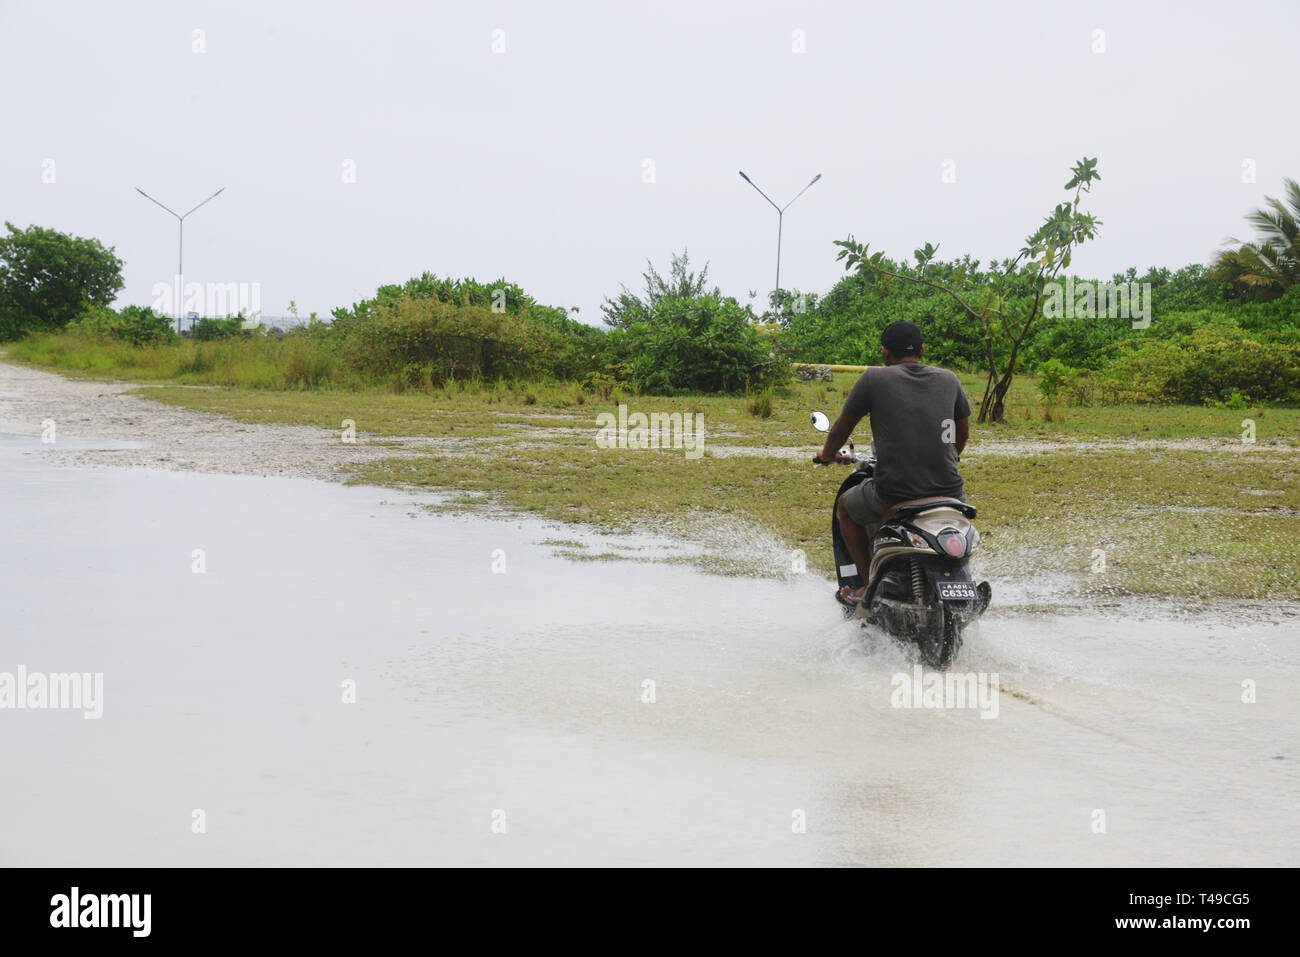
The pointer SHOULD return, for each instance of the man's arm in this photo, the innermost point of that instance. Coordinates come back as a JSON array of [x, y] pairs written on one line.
[[963, 433], [838, 435]]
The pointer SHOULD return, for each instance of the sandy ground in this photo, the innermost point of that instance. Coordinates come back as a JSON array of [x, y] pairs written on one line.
[[155, 435], [168, 437]]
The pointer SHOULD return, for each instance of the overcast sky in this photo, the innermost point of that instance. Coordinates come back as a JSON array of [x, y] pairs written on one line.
[[532, 163]]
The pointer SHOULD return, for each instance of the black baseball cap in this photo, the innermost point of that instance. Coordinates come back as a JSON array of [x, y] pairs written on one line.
[[901, 338]]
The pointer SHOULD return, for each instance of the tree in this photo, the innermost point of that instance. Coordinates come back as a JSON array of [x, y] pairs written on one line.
[[48, 278], [681, 283], [1270, 265], [1012, 297]]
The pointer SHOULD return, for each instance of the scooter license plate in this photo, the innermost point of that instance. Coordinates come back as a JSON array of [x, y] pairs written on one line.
[[957, 591]]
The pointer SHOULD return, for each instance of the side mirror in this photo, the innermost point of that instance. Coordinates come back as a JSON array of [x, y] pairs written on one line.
[[820, 422]]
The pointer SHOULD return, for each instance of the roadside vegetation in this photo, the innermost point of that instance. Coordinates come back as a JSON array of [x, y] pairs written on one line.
[[1170, 444], [1224, 335]]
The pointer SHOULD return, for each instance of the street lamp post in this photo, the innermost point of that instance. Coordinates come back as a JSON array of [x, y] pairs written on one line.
[[780, 216], [180, 249]]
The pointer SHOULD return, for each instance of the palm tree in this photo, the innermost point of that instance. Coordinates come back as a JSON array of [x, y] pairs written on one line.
[[1271, 263]]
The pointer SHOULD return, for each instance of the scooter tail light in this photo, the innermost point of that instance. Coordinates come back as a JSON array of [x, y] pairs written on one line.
[[953, 543]]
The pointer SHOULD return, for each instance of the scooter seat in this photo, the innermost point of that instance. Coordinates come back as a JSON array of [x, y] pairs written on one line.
[[916, 506]]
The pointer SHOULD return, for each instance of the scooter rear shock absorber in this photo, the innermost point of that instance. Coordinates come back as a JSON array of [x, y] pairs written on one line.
[[918, 581]]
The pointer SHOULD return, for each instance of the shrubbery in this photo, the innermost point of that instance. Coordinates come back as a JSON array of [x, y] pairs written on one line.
[[209, 328], [700, 344], [844, 325], [1212, 348], [681, 335], [1053, 376], [431, 330], [425, 342], [1210, 365], [1185, 355], [135, 324]]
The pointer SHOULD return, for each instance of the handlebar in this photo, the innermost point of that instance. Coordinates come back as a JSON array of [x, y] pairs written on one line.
[[841, 459]]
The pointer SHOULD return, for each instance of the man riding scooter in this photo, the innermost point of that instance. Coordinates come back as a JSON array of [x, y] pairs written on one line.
[[920, 421]]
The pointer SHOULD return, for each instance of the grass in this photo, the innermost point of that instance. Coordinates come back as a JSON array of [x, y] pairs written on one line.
[[1172, 523], [490, 407], [1205, 525], [1045, 511], [288, 381], [262, 363]]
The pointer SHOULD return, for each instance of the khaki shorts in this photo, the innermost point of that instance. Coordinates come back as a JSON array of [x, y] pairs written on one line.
[[866, 506], [864, 503]]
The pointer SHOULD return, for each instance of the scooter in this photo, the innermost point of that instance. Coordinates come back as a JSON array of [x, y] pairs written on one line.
[[919, 588]]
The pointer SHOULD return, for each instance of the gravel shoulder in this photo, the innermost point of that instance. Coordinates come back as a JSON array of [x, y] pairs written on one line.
[[99, 423], [90, 418]]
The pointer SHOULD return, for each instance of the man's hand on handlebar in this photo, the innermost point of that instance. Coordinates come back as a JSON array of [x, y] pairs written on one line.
[[841, 457]]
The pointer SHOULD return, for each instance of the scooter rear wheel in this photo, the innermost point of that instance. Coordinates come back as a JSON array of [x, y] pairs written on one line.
[[939, 655]]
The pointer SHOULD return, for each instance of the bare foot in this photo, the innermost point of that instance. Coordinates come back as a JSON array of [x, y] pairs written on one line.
[[848, 596]]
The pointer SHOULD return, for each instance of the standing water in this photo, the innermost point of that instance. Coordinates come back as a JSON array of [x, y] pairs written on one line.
[[296, 673]]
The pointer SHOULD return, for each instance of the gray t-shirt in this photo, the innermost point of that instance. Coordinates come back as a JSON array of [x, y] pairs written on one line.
[[913, 410]]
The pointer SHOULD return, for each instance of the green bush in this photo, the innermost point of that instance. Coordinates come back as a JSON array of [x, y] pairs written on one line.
[[702, 344], [1207, 366], [1281, 315], [402, 341], [420, 343], [207, 329], [1053, 375], [499, 296], [844, 325], [564, 348], [309, 362], [137, 325], [1220, 363]]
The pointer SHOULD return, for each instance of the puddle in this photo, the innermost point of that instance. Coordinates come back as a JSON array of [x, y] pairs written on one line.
[[592, 712]]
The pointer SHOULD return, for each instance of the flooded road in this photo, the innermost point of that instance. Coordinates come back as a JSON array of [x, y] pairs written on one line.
[[296, 672]]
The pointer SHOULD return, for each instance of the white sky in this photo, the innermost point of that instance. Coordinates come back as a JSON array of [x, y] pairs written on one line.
[[529, 163]]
